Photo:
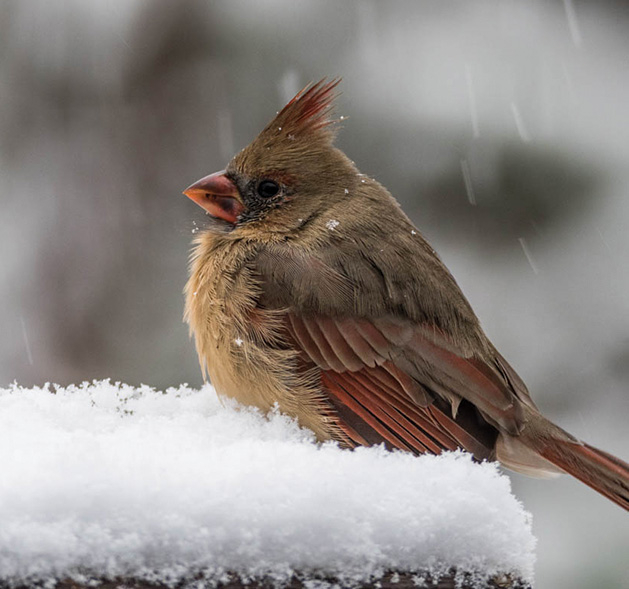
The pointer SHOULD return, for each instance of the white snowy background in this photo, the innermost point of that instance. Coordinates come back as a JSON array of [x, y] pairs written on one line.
[[106, 480], [501, 126]]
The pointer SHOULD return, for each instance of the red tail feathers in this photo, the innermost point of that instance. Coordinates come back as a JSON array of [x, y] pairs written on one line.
[[603, 472]]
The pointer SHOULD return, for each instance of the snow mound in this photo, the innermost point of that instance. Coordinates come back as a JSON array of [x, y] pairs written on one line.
[[107, 480]]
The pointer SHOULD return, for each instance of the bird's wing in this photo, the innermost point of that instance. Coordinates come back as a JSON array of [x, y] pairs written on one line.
[[390, 377], [371, 371]]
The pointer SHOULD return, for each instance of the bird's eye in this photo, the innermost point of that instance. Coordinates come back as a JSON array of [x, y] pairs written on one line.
[[268, 188]]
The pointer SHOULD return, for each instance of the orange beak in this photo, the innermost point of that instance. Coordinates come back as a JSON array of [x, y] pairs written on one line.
[[218, 195]]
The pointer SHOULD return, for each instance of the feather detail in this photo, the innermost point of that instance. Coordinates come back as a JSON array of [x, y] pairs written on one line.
[[308, 111], [364, 404]]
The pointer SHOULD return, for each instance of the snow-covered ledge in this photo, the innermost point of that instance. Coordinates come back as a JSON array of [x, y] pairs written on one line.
[[107, 481]]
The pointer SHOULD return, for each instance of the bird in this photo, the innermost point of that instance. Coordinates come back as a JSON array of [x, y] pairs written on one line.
[[312, 291]]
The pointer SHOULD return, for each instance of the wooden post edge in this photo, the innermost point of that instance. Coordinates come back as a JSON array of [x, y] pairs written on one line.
[[391, 580]]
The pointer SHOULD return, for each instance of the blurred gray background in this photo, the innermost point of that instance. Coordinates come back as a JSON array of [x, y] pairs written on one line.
[[502, 127]]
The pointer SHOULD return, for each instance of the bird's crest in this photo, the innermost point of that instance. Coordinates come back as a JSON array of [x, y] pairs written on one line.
[[308, 111], [300, 132]]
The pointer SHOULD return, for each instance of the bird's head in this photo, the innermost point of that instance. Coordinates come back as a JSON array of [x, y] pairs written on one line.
[[290, 172]]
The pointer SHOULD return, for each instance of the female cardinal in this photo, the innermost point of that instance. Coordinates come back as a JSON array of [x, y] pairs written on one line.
[[313, 290]]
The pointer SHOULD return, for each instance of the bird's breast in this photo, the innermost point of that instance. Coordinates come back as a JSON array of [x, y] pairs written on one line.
[[241, 346]]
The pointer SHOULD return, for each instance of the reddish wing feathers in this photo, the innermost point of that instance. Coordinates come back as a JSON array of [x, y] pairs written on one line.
[[396, 420], [347, 344], [375, 399], [309, 110]]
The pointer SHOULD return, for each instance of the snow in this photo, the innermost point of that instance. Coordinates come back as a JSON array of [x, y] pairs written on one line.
[[519, 123], [105, 480], [332, 224], [467, 179], [529, 256], [573, 23]]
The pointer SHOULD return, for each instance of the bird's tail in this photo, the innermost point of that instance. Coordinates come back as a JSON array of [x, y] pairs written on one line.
[[542, 445], [603, 472]]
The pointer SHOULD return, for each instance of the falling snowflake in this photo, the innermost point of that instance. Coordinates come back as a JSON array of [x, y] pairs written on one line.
[[238, 342], [346, 191], [332, 224], [413, 232]]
